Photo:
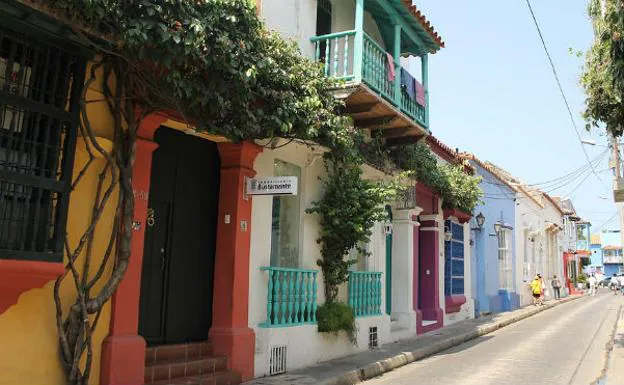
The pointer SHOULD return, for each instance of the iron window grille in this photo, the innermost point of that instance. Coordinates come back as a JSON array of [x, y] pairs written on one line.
[[373, 337], [40, 87]]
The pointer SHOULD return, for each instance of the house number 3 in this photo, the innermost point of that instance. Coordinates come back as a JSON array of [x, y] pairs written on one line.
[[150, 218]]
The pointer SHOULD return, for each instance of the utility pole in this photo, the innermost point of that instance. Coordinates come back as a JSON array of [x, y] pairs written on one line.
[[617, 187]]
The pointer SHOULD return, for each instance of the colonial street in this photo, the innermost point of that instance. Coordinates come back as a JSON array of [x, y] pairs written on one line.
[[564, 345]]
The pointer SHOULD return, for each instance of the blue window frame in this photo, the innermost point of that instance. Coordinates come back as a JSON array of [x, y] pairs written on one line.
[[454, 259]]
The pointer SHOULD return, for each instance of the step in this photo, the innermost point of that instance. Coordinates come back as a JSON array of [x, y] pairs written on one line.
[[219, 378], [178, 352], [170, 370]]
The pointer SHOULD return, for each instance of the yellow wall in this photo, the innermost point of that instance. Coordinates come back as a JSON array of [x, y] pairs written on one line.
[[28, 337]]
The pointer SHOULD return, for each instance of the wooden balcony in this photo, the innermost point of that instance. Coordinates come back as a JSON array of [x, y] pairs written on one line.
[[375, 97]]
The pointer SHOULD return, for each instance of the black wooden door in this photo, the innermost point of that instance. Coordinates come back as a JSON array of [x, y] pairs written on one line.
[[178, 260]]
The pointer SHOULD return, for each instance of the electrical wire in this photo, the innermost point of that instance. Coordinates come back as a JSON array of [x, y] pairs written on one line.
[[562, 183], [565, 99]]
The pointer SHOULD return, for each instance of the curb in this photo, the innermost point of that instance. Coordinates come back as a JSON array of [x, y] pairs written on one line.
[[378, 368]]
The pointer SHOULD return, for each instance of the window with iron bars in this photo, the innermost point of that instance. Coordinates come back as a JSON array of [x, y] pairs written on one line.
[[40, 86]]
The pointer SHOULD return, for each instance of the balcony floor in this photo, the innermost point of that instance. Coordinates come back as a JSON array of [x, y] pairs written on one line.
[[370, 110]]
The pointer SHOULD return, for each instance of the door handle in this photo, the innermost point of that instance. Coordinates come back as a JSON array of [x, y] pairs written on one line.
[[162, 258]]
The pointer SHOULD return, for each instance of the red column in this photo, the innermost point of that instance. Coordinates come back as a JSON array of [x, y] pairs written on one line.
[[230, 332], [123, 350]]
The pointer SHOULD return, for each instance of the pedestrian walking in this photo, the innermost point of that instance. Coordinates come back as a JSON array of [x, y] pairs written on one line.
[[592, 285], [536, 289], [556, 285], [621, 283], [543, 284], [614, 285]]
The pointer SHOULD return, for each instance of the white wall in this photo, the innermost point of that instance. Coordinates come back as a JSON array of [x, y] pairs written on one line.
[[293, 19], [296, 20], [318, 346]]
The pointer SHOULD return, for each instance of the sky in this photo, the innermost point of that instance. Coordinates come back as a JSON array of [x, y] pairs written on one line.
[[492, 92]]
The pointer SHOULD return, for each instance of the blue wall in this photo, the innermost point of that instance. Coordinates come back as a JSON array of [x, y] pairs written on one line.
[[499, 206], [596, 254], [611, 269]]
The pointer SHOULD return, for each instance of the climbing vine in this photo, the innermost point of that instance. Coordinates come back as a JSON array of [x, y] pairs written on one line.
[[457, 188], [603, 75], [215, 65], [347, 212]]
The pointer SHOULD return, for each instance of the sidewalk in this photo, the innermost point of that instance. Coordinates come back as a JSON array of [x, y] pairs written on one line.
[[615, 364], [366, 365]]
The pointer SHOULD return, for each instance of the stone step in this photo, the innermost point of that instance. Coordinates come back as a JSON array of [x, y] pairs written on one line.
[[178, 352], [219, 378], [173, 369]]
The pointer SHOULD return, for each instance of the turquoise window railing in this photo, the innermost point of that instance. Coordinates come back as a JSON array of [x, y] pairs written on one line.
[[365, 293], [337, 53], [291, 298]]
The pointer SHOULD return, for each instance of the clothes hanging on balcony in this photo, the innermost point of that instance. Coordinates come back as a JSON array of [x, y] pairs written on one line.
[[408, 83], [391, 70], [420, 94]]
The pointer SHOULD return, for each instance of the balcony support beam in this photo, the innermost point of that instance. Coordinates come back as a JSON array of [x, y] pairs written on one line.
[[397, 64], [378, 122], [358, 46], [425, 78]]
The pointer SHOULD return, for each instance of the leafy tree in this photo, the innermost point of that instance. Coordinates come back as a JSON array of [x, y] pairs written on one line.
[[603, 76]]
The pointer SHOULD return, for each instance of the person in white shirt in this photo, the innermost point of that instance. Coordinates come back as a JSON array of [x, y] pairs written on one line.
[[621, 282], [614, 284], [592, 285]]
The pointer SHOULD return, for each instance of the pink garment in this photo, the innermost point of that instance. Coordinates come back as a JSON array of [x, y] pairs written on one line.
[[391, 70], [420, 94]]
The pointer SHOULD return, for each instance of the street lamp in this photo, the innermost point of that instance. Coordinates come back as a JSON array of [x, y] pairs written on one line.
[[448, 235], [480, 220]]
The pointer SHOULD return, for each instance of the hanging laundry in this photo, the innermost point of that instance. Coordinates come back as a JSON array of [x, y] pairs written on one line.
[[420, 94], [408, 83], [391, 71]]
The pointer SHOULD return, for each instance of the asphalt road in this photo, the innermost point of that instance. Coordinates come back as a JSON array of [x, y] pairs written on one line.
[[566, 345]]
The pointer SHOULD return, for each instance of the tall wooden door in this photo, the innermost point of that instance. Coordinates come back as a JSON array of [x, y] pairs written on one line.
[[180, 238]]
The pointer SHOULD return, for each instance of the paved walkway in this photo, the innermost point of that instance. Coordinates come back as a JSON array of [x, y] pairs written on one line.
[[615, 365], [366, 365], [563, 346]]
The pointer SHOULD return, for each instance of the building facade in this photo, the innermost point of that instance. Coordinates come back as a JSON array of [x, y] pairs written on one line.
[[493, 243]]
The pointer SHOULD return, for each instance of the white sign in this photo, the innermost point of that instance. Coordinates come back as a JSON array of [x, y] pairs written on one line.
[[278, 185]]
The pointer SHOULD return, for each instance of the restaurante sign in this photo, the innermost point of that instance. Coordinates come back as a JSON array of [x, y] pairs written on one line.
[[278, 185]]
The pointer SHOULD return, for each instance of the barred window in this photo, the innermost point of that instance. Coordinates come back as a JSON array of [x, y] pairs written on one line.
[[39, 92]]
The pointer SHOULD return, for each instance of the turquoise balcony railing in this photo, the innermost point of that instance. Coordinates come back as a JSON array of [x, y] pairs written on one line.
[[338, 53], [291, 298], [365, 293]]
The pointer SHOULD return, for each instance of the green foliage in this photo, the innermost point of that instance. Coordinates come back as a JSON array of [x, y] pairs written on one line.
[[336, 316], [464, 192], [457, 188], [603, 76], [582, 278], [216, 63], [347, 211]]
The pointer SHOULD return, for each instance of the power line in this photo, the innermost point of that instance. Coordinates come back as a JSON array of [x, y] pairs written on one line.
[[565, 99]]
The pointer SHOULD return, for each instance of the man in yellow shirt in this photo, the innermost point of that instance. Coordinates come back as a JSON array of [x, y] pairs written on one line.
[[536, 289]]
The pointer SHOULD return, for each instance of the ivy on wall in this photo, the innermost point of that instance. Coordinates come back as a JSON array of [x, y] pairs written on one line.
[[215, 64], [457, 188]]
